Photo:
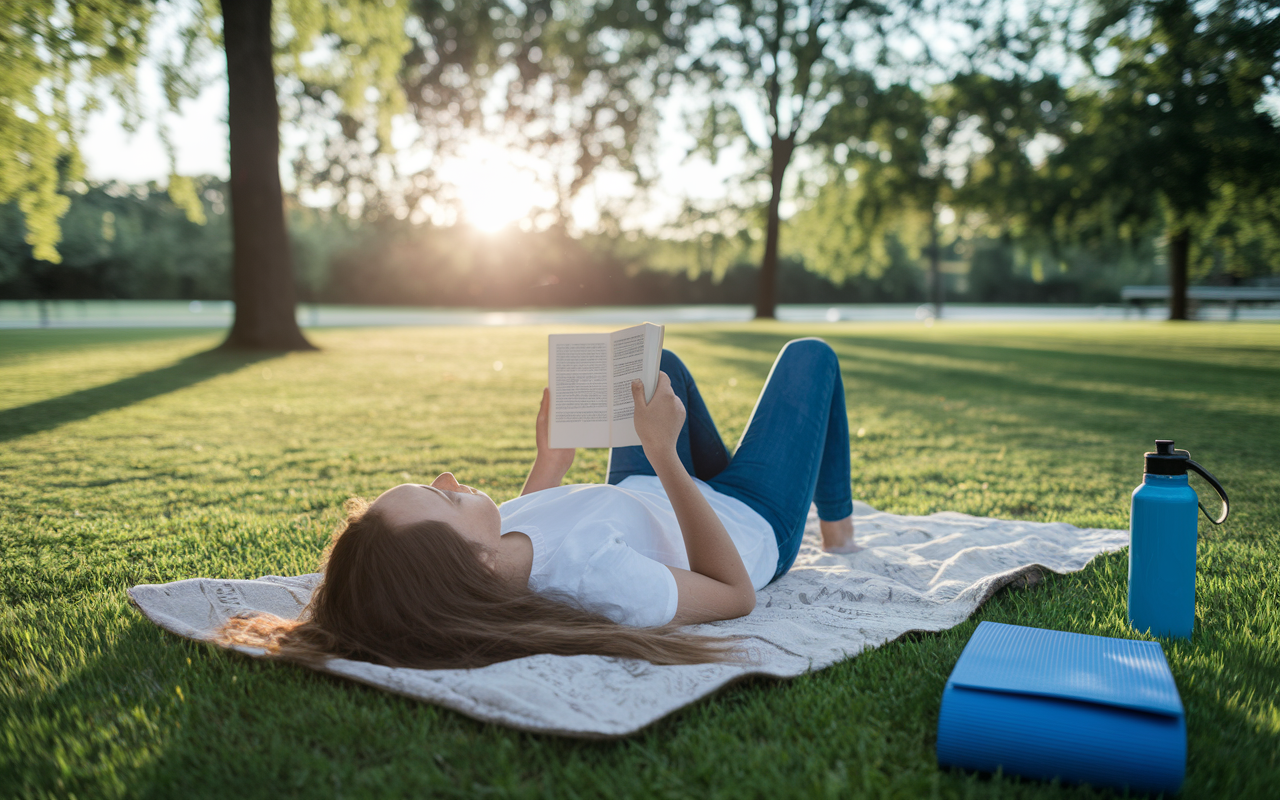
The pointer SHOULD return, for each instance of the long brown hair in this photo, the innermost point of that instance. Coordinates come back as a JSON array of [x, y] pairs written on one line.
[[421, 596]]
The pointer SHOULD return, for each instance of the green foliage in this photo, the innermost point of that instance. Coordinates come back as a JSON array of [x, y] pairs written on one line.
[[1007, 270], [898, 156], [1172, 137], [790, 63], [846, 230], [885, 176], [179, 80], [784, 67], [345, 56], [456, 266], [46, 47], [53, 53], [131, 457], [1175, 135], [133, 242], [1005, 119], [1240, 235], [183, 193], [341, 64], [361, 43], [705, 241], [122, 241]]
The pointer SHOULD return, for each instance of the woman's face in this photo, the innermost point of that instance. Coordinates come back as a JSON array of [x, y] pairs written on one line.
[[469, 511]]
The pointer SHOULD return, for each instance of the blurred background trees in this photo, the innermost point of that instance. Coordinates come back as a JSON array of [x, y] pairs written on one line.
[[768, 74], [890, 152], [50, 50], [1175, 134]]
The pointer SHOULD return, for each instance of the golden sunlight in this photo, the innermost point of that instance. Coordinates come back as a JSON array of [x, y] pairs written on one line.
[[494, 192]]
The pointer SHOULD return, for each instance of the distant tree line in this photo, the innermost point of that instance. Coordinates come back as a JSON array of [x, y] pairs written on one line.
[[133, 242]]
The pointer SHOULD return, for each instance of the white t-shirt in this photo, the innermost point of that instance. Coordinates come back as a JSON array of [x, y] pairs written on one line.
[[604, 547]]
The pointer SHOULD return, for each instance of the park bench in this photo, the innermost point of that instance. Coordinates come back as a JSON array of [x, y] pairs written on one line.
[[1233, 296]]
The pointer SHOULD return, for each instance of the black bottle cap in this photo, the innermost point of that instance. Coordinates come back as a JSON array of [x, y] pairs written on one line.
[[1165, 460]]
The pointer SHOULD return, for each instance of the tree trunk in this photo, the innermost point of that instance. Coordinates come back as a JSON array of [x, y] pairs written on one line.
[[262, 270], [1179, 254], [935, 267], [767, 291]]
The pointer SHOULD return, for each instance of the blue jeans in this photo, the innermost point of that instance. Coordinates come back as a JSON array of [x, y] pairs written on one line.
[[795, 450]]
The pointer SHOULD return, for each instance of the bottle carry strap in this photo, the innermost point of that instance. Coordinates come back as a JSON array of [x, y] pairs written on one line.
[[1217, 487]]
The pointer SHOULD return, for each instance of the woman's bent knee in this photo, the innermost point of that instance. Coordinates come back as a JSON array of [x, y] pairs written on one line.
[[671, 361], [810, 347]]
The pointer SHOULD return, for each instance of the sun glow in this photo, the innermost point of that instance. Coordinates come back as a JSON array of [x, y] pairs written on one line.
[[494, 191]]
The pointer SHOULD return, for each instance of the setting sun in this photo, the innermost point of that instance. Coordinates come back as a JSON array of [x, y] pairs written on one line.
[[494, 191]]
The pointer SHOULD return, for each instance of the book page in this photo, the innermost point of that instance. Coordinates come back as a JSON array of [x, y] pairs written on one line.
[[632, 355], [578, 375], [653, 337]]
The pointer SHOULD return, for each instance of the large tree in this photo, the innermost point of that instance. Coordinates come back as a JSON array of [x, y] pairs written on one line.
[[54, 52], [780, 66], [346, 56], [262, 268], [1176, 128]]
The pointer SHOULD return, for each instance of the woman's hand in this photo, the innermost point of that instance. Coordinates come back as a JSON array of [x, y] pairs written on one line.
[[659, 421], [558, 457], [551, 463]]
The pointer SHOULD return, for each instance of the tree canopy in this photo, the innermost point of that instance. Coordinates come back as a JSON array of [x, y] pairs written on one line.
[[54, 57], [902, 130], [769, 73], [1171, 131]]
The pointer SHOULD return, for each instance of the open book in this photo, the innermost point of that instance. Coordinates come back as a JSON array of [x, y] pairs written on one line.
[[590, 377]]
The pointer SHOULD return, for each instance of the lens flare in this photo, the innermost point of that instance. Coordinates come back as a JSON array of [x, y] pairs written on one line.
[[493, 191]]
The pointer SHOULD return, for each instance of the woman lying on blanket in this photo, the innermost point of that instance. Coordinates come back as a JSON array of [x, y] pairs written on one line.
[[439, 576]]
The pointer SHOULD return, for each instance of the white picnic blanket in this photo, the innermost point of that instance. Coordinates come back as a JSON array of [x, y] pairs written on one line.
[[916, 574]]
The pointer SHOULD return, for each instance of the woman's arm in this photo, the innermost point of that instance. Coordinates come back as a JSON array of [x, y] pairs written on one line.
[[549, 465], [716, 585]]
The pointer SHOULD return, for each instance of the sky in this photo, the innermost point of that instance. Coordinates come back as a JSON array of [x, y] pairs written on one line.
[[494, 187], [492, 191], [199, 135]]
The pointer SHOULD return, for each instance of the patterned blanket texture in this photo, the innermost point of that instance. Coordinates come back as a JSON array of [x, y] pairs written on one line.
[[916, 574]]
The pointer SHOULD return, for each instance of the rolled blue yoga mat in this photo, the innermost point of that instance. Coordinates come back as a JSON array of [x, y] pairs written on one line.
[[1048, 704]]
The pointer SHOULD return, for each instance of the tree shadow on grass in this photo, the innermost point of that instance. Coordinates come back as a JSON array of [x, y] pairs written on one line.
[[184, 717], [1054, 386], [56, 411], [1141, 366]]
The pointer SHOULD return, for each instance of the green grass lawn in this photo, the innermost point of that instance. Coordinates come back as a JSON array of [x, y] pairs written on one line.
[[130, 457]]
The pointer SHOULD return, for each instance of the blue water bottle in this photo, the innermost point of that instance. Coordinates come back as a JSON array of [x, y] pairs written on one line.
[[1162, 543]]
